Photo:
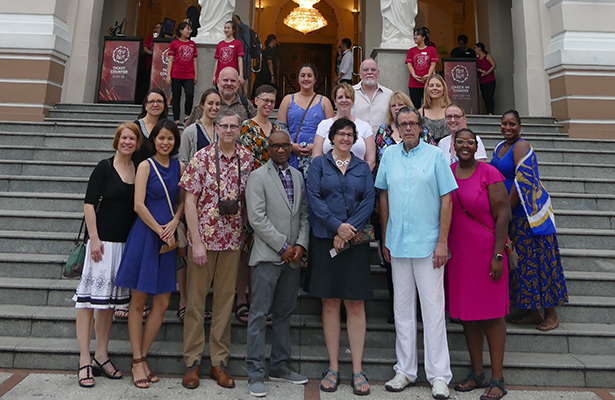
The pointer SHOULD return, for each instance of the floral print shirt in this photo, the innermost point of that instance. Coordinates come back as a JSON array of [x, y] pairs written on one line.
[[219, 232], [253, 138]]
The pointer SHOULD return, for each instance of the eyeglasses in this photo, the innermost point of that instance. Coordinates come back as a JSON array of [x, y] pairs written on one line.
[[266, 101], [452, 117], [152, 102], [470, 142], [345, 135], [277, 147], [226, 127], [405, 125]]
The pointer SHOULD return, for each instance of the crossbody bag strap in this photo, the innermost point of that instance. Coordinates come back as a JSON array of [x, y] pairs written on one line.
[[164, 186], [470, 215], [303, 117], [218, 171]]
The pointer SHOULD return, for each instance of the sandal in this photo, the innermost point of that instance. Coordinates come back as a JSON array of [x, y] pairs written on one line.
[[480, 380], [121, 313], [494, 384], [99, 369], [548, 324], [362, 379], [146, 311], [88, 376], [181, 313], [242, 312], [151, 377], [328, 376], [140, 383]]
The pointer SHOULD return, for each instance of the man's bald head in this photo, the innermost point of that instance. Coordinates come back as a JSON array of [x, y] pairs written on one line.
[[228, 83]]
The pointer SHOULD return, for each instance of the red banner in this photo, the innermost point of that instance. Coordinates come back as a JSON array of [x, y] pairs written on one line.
[[118, 75], [461, 79], [160, 62]]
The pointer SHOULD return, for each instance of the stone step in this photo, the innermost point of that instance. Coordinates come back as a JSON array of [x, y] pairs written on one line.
[[522, 368], [586, 238], [584, 282], [97, 141], [584, 219], [79, 127], [46, 184], [59, 292], [36, 242], [99, 107], [577, 170], [481, 128], [50, 168], [88, 115], [59, 322], [35, 202], [47, 221], [572, 156], [590, 186], [38, 266], [12, 152], [588, 260]]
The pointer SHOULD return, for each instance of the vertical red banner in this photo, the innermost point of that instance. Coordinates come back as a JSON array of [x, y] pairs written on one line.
[[118, 75], [160, 62], [461, 79]]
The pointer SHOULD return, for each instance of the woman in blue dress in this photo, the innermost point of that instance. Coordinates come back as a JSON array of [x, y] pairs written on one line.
[[301, 113], [143, 268], [539, 281]]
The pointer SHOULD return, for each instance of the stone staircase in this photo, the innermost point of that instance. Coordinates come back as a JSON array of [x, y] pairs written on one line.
[[44, 169]]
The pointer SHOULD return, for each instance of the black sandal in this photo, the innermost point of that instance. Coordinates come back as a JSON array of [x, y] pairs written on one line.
[[88, 376], [242, 311], [181, 313], [99, 369], [481, 382], [494, 384]]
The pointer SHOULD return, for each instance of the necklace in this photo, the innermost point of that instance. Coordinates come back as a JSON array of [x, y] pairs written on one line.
[[341, 163]]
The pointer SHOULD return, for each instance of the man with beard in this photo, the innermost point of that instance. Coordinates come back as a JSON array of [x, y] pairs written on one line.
[[371, 99]]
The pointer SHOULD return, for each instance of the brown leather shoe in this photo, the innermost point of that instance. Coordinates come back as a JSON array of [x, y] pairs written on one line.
[[191, 377], [222, 376]]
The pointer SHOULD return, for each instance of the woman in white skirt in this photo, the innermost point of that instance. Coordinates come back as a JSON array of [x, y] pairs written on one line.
[[109, 215]]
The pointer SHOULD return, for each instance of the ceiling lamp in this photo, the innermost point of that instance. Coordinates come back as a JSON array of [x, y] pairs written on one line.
[[304, 18]]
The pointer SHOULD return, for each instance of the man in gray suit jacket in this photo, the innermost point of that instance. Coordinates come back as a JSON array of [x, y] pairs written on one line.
[[278, 213]]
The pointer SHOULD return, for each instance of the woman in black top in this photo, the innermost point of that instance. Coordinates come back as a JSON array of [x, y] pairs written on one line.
[[269, 66], [109, 215], [154, 108]]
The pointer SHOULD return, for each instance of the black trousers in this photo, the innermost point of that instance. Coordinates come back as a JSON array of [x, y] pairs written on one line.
[[488, 92], [348, 81], [176, 89], [416, 95]]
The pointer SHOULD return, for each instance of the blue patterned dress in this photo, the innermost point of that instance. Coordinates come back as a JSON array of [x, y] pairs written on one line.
[[539, 281]]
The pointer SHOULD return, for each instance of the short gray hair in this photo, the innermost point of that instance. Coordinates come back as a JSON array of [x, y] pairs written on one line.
[[227, 113], [408, 110]]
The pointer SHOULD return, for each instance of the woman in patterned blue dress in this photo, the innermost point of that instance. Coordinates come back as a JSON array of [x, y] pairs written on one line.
[[539, 281], [143, 269]]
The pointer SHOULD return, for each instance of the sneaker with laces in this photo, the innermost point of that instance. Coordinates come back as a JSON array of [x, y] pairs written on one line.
[[398, 383], [440, 390], [286, 374], [257, 387]]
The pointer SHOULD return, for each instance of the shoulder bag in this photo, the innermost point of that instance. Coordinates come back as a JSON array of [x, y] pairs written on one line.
[[165, 247], [74, 265], [366, 234], [513, 258]]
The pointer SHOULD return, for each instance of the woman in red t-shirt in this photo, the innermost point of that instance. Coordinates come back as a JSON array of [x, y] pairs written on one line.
[[421, 61], [182, 70], [229, 53]]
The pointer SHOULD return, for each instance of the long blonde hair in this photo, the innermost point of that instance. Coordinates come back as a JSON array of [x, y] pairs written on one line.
[[427, 97], [397, 96]]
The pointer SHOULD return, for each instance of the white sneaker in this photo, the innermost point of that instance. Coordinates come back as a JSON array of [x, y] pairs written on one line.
[[440, 390], [398, 383]]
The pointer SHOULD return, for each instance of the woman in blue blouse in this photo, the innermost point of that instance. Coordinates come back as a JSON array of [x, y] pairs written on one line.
[[340, 190]]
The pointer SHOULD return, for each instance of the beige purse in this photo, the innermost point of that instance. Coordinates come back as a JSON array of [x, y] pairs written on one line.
[[165, 247]]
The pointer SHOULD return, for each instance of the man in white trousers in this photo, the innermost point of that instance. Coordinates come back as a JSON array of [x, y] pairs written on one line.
[[415, 183]]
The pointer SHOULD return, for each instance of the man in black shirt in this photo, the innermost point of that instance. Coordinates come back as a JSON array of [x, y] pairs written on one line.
[[463, 51]]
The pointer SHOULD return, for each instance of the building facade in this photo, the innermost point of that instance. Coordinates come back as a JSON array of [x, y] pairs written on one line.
[[555, 57]]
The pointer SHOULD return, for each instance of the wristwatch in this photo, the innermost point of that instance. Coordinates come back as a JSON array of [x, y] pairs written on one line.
[[498, 257]]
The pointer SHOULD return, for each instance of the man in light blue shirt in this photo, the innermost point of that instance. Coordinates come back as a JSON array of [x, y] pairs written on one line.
[[415, 183]]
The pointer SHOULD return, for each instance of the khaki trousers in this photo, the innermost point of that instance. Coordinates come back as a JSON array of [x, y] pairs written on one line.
[[221, 267]]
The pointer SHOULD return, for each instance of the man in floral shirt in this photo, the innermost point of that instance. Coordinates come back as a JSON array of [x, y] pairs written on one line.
[[215, 182]]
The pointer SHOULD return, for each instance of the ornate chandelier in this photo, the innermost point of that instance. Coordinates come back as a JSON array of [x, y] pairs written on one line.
[[304, 18]]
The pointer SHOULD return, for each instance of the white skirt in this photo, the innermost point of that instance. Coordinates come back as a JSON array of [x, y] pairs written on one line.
[[97, 288]]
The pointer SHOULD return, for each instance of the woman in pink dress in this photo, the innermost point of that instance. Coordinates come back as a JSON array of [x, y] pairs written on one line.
[[477, 272]]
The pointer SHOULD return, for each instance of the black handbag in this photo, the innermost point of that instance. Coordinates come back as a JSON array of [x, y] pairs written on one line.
[[227, 207]]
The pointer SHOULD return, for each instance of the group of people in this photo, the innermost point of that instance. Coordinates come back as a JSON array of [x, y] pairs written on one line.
[[313, 189]]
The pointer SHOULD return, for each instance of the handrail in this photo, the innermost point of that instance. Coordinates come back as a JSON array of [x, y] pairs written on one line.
[[360, 57]]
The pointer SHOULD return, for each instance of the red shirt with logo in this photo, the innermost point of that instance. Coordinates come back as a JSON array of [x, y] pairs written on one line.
[[183, 54], [421, 61], [227, 53]]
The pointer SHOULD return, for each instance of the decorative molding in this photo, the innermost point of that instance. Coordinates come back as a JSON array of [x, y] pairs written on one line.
[[32, 81], [574, 71], [35, 34], [553, 3], [587, 121], [583, 97], [581, 50], [27, 105]]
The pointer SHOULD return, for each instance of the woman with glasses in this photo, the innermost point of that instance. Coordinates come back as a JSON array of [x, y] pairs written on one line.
[[254, 137], [455, 121], [477, 272], [153, 109], [364, 147], [340, 190]]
